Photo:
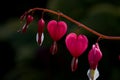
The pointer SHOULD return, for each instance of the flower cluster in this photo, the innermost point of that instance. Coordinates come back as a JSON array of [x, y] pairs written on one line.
[[76, 44], [56, 29]]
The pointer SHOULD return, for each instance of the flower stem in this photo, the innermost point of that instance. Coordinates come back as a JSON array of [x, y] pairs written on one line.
[[102, 36]]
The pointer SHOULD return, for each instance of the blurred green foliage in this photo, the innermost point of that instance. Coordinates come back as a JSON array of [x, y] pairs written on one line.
[[31, 62]]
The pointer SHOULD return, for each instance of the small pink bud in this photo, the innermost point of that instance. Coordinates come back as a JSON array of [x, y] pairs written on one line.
[[40, 35], [56, 29], [29, 19], [94, 56], [76, 46]]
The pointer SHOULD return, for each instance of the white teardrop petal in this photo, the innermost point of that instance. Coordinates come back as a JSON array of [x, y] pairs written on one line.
[[37, 37], [96, 74], [24, 26], [42, 38], [88, 74], [93, 74]]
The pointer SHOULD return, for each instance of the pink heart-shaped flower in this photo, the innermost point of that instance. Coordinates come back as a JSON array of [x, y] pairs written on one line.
[[76, 44], [56, 29]]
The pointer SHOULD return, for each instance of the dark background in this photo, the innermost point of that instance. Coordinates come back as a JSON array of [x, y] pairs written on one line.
[[14, 8], [22, 59]]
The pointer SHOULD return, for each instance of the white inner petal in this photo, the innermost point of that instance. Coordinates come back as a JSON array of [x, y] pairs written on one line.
[[42, 38], [91, 75], [96, 74], [25, 25]]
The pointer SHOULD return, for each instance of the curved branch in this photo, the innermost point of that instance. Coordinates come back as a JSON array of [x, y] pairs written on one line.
[[102, 36]]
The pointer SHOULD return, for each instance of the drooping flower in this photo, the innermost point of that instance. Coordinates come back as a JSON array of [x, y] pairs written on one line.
[[94, 56], [40, 34], [29, 19], [56, 31], [76, 46]]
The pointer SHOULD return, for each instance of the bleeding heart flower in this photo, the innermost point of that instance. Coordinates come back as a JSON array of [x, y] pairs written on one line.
[[29, 19], [76, 46], [56, 30], [94, 57], [40, 34]]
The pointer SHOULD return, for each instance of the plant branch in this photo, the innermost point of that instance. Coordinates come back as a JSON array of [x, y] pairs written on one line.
[[102, 36]]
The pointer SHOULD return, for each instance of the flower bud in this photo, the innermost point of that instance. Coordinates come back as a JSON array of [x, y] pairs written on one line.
[[94, 56], [29, 19], [40, 34]]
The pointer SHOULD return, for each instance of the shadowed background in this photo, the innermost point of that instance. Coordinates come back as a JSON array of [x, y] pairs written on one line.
[[22, 59]]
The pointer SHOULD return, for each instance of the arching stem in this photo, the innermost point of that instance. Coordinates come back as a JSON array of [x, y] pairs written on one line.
[[102, 36]]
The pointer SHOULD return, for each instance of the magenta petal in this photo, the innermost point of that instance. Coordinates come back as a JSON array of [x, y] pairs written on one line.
[[94, 56], [41, 24], [56, 29], [29, 19], [76, 44], [82, 43]]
